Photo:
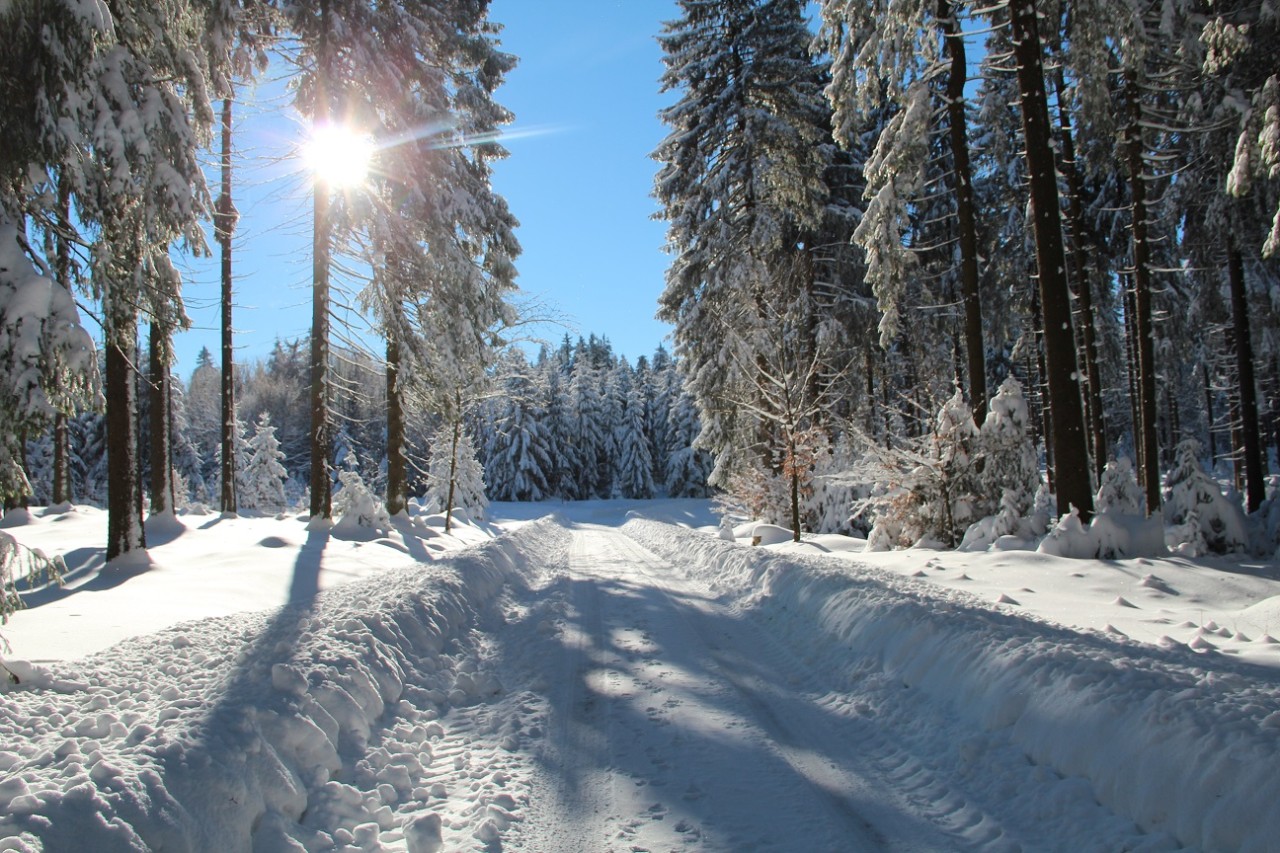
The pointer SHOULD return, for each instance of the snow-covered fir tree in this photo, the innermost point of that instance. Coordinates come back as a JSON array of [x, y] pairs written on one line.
[[633, 466], [1196, 505], [1119, 490], [1010, 470], [517, 456], [455, 478], [262, 483]]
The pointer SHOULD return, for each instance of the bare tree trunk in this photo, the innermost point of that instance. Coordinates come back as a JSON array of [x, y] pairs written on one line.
[[1208, 410], [1255, 485], [225, 225], [321, 441], [1150, 441], [61, 492], [124, 521], [455, 440], [962, 181], [1042, 386], [397, 488], [1082, 289], [162, 497], [1070, 447]]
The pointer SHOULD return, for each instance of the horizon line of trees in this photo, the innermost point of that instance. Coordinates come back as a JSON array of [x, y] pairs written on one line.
[[579, 422]]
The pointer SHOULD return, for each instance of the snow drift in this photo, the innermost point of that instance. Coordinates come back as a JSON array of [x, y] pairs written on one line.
[[225, 734], [1182, 743]]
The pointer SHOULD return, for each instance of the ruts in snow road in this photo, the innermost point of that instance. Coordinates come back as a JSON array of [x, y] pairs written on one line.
[[673, 724]]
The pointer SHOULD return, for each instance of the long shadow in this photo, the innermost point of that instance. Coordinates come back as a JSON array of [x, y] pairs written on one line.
[[412, 540], [226, 731], [81, 563], [704, 774], [305, 583]]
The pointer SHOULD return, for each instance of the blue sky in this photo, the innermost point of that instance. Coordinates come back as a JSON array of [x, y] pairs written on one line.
[[585, 96]]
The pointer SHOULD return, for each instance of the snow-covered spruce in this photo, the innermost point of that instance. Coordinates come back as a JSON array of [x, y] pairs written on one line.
[[1145, 727], [225, 734]]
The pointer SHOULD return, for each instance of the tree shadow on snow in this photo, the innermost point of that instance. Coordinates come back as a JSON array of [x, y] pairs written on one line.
[[647, 714]]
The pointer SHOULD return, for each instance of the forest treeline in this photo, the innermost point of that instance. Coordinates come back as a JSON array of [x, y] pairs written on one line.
[[925, 197], [575, 423], [875, 220]]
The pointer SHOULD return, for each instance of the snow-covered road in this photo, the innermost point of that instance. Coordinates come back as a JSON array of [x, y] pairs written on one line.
[[593, 683], [672, 722]]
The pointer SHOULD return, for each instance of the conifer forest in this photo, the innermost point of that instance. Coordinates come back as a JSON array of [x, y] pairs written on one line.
[[937, 269]]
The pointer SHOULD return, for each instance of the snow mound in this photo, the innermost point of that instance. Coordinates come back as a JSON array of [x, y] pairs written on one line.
[[770, 534], [229, 733], [1127, 719]]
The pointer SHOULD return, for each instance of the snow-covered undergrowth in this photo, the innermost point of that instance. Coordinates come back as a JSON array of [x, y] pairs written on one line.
[[308, 726], [1183, 743]]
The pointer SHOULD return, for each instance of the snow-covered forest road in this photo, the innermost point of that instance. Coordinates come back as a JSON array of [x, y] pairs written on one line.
[[668, 719], [599, 681], [671, 721]]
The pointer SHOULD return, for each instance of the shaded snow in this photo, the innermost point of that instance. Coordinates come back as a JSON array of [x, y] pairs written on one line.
[[594, 685]]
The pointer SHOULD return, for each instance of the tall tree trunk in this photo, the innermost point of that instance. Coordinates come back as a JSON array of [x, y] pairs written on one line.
[[1081, 287], [1147, 404], [162, 498], [321, 486], [1042, 389], [962, 180], [455, 440], [397, 488], [1131, 351], [1208, 411], [124, 521], [61, 492], [225, 225], [1255, 486], [1070, 447]]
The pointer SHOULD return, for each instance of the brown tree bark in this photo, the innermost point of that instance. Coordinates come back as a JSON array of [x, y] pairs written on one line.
[[397, 487], [225, 224], [1255, 485], [321, 440], [1070, 447], [61, 491], [1148, 436], [124, 520], [1081, 287], [966, 218], [158, 421]]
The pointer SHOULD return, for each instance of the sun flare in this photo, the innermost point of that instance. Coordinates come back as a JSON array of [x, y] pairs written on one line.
[[338, 155]]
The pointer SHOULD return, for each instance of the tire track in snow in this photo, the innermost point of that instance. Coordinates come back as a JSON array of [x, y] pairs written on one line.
[[668, 730]]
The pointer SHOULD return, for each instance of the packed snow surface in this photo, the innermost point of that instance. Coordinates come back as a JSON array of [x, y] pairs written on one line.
[[617, 676]]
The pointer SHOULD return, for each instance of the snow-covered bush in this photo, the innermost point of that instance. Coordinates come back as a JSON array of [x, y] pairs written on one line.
[[262, 486], [933, 492], [1009, 468], [356, 506], [836, 491], [1265, 523], [759, 494], [1199, 517], [1119, 490]]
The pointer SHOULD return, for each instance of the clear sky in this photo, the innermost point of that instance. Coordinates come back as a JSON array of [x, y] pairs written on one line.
[[585, 97]]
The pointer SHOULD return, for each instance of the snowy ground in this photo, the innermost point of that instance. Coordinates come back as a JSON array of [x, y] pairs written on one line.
[[595, 682]]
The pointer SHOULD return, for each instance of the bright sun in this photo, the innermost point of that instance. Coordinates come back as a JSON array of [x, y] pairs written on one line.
[[338, 155]]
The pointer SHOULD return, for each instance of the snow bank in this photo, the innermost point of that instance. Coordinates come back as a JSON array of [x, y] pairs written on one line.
[[227, 734], [1182, 743]]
